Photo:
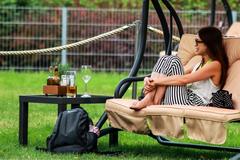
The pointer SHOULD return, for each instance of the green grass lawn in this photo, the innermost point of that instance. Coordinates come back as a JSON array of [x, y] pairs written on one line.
[[42, 118]]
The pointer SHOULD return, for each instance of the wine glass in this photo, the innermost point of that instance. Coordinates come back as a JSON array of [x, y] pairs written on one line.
[[86, 72]]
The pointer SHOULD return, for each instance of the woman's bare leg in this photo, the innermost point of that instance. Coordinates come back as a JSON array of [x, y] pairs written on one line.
[[160, 92], [146, 101], [150, 97], [168, 66]]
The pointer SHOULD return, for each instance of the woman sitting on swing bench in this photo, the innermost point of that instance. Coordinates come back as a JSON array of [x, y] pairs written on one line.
[[171, 83]]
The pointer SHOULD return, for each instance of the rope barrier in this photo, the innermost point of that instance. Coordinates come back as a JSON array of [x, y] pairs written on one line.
[[59, 48], [161, 32], [55, 49]]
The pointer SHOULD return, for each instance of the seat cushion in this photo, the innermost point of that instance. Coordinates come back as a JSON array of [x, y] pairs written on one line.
[[202, 123], [121, 116], [197, 112], [168, 120]]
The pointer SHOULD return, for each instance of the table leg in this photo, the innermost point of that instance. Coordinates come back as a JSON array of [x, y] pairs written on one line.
[[61, 108], [23, 123]]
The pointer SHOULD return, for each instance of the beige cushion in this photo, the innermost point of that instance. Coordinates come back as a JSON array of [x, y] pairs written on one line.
[[234, 30], [186, 48], [232, 48], [198, 112], [212, 113], [232, 83], [121, 116], [166, 120], [206, 131]]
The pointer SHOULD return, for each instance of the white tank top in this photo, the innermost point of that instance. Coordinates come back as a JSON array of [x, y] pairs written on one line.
[[203, 88]]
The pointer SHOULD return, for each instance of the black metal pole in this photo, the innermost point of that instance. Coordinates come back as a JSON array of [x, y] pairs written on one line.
[[102, 120], [169, 49], [113, 136], [141, 48], [175, 17], [213, 11], [228, 12], [138, 59], [164, 141], [163, 22]]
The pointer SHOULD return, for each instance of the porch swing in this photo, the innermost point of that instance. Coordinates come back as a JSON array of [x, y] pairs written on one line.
[[159, 121]]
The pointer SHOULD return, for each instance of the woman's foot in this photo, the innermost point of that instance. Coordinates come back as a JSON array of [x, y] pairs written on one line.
[[141, 104]]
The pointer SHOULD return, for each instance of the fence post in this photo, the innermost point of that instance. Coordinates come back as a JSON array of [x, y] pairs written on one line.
[[137, 29], [234, 15], [64, 35]]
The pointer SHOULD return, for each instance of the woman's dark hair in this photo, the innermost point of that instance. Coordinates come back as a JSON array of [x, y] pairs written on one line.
[[212, 38]]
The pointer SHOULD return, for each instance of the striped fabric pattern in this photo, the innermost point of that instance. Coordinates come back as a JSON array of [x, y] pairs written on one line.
[[171, 65]]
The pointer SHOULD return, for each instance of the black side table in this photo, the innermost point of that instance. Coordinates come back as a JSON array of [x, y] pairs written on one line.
[[62, 102]]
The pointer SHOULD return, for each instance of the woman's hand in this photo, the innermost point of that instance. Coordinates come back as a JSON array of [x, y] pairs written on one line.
[[146, 81], [149, 85]]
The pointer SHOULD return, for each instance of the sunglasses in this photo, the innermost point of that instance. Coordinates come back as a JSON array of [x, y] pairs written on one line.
[[197, 41]]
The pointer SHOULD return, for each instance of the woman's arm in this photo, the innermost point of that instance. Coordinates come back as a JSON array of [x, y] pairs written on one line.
[[188, 69], [208, 71]]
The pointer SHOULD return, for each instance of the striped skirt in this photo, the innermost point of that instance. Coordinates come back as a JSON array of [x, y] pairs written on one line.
[[168, 66]]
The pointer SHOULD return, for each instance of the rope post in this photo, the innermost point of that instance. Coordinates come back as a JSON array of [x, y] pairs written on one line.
[[64, 35], [137, 30]]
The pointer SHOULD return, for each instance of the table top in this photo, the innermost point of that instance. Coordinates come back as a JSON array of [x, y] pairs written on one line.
[[63, 99]]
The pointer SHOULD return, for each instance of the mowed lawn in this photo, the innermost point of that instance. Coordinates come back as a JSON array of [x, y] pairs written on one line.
[[42, 118]]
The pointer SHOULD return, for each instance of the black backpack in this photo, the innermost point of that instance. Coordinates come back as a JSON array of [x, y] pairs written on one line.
[[71, 133]]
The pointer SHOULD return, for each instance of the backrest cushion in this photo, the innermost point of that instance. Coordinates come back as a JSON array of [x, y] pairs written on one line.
[[186, 48], [232, 47], [232, 83], [234, 30]]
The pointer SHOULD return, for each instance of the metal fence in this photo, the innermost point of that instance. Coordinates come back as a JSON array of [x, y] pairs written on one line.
[[36, 28]]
